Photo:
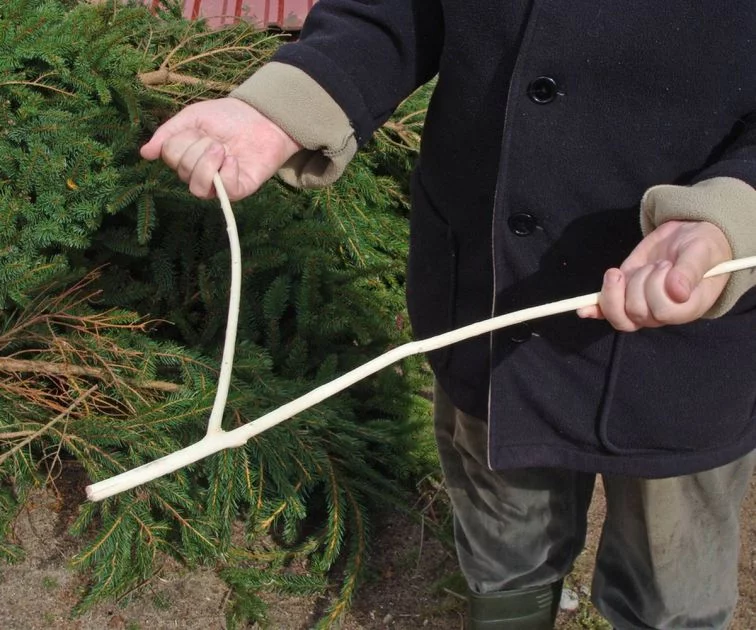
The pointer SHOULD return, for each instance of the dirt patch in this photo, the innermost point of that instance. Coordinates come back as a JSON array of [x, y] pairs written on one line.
[[407, 588]]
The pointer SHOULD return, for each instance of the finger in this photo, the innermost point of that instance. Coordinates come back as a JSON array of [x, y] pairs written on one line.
[[661, 309], [182, 151], [183, 121], [151, 150], [229, 174], [636, 299], [612, 301], [205, 168], [590, 312]]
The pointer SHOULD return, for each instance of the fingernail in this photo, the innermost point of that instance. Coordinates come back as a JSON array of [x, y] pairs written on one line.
[[663, 264], [612, 276]]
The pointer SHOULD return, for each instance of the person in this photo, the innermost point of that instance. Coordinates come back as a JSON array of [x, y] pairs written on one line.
[[567, 145]]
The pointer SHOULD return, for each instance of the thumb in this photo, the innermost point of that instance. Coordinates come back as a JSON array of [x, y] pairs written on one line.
[[693, 261]]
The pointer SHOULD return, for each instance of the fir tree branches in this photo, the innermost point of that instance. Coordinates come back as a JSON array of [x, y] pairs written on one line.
[[323, 290]]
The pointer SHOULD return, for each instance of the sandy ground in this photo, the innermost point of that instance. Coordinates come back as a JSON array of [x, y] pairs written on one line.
[[402, 592]]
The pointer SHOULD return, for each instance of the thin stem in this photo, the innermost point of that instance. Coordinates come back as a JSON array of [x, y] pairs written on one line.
[[227, 361], [37, 84]]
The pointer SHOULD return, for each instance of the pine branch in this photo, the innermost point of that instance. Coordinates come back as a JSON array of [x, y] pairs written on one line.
[[38, 83], [323, 289]]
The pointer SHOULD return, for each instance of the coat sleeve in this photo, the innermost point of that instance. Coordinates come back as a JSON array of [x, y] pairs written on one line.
[[368, 55], [738, 157]]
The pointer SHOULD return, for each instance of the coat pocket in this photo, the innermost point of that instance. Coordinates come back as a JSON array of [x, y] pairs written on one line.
[[432, 271], [682, 388]]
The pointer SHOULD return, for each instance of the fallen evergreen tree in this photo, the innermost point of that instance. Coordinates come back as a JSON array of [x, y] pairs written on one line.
[[114, 289]]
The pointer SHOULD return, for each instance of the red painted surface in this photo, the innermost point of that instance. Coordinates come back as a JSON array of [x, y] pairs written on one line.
[[285, 14]]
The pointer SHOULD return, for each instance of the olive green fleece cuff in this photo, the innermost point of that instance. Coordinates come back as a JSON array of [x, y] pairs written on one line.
[[728, 203], [306, 112]]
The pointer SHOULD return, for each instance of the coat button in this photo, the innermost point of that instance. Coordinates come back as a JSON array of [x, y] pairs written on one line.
[[522, 223], [543, 90], [520, 333]]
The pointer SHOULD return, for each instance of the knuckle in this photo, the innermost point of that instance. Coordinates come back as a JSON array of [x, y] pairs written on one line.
[[184, 172], [636, 311], [666, 314]]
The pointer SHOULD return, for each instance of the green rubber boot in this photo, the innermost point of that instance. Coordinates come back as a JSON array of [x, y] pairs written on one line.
[[522, 609]]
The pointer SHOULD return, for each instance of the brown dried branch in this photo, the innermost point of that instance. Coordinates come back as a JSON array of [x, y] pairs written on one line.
[[163, 76], [212, 53], [14, 435], [168, 74], [232, 47], [49, 311], [49, 425], [33, 366], [409, 137]]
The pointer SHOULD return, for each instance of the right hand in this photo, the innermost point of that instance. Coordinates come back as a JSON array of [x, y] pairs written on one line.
[[225, 136]]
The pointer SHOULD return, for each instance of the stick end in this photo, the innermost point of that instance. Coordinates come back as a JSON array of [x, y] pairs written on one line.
[[92, 494]]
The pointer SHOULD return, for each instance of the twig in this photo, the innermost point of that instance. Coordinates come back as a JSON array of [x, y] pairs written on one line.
[[211, 53], [248, 49], [140, 585], [13, 435], [422, 541], [65, 369], [225, 599], [164, 76], [448, 591], [36, 83], [57, 418], [56, 459]]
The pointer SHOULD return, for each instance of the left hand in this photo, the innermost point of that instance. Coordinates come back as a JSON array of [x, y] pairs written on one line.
[[661, 282]]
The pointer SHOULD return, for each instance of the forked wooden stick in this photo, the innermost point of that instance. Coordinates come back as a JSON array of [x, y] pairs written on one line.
[[217, 440]]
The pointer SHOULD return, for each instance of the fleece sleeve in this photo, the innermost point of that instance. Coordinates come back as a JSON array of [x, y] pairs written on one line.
[[722, 193], [727, 202], [305, 111], [353, 63]]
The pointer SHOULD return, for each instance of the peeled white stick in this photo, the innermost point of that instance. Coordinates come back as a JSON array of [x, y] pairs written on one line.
[[117, 484], [229, 345], [218, 440]]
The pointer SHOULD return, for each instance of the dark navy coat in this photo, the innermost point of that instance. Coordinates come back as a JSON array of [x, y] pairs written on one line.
[[549, 121]]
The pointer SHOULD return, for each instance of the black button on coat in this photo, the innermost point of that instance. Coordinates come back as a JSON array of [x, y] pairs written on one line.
[[567, 111], [543, 90], [522, 224]]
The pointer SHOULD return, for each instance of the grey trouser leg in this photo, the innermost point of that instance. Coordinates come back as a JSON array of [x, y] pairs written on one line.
[[513, 529], [668, 555]]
